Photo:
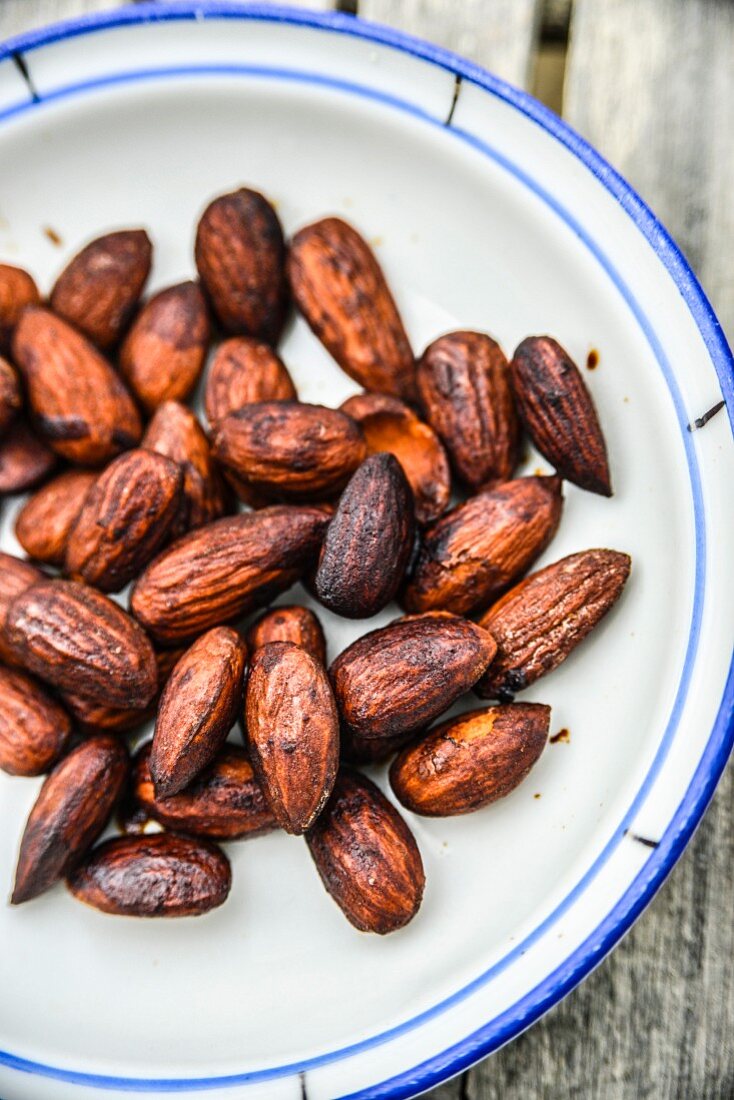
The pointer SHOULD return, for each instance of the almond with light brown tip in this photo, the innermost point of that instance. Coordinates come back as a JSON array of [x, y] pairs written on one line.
[[34, 728], [11, 400], [25, 460], [289, 624], [243, 372], [17, 290], [43, 525]]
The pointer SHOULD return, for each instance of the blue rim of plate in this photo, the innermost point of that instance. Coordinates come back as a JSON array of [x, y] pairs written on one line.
[[681, 826]]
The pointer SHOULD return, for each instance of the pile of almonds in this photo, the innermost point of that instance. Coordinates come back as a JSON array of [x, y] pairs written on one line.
[[355, 502]]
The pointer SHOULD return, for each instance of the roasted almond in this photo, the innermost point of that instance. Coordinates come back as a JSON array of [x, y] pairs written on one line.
[[240, 257], [164, 352], [99, 288], [465, 390], [369, 541], [126, 517], [245, 371], [471, 555], [34, 728], [161, 875], [80, 406], [15, 576], [289, 624], [44, 522], [25, 460], [74, 806], [367, 856], [94, 717], [543, 618], [17, 290], [11, 400], [470, 761], [559, 414], [197, 710], [340, 289]]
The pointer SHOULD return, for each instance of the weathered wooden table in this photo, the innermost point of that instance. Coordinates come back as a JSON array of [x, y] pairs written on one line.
[[651, 84]]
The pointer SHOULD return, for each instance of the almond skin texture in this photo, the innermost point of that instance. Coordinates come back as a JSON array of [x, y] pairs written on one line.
[[240, 257], [17, 290], [367, 856], [81, 642], [538, 623], [290, 450], [368, 542], [292, 732], [559, 414], [46, 519], [34, 729], [470, 761], [74, 806], [197, 709], [245, 371], [91, 717], [289, 624], [79, 404], [226, 569], [126, 517], [465, 390], [99, 288], [472, 554], [161, 875], [15, 576], [11, 400], [25, 460]]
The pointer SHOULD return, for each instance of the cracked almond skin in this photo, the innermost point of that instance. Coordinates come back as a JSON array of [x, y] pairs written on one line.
[[465, 389], [198, 708], [79, 404], [25, 460], [165, 349], [289, 624], [99, 288], [243, 372], [94, 717], [11, 400], [34, 728], [369, 541], [45, 521], [472, 554], [292, 732], [126, 517], [15, 576], [341, 290], [470, 761], [240, 257], [160, 875], [72, 809], [540, 621], [226, 569], [290, 450], [81, 642], [559, 414], [367, 856], [17, 290]]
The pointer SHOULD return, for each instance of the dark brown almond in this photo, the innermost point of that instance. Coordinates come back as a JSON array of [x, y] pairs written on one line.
[[81, 642], [197, 710], [470, 761], [559, 414], [367, 856], [126, 517], [74, 805], [538, 623], [465, 390], [226, 569], [164, 352], [369, 541], [34, 728], [340, 289], [289, 624], [161, 875], [25, 460], [99, 288], [472, 554], [240, 257], [15, 576], [11, 400], [17, 290], [245, 371], [94, 717], [44, 522], [79, 404]]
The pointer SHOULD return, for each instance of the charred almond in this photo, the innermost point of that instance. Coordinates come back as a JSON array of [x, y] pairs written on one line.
[[340, 289], [74, 805], [559, 413], [197, 709], [292, 732], [289, 624], [17, 290], [465, 390], [543, 618], [367, 857], [15, 576], [162, 875], [34, 729], [225, 569], [10, 396], [81, 642], [25, 460], [368, 542], [245, 371], [126, 516], [44, 522], [470, 761], [472, 554], [99, 288], [80, 406], [164, 352], [240, 256], [95, 717]]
